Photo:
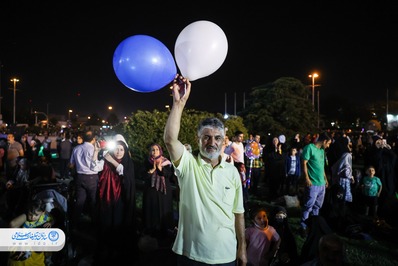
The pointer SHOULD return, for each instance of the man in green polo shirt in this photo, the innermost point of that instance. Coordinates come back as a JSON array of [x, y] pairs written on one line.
[[211, 226], [316, 182]]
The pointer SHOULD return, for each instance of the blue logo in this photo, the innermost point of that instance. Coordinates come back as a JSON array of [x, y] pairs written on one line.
[[53, 236]]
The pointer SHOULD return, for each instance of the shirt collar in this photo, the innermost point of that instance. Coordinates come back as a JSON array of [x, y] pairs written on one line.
[[203, 162]]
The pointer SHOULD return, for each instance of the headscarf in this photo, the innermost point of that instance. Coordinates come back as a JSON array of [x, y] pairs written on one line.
[[157, 177], [151, 159], [119, 137], [287, 253], [128, 188], [22, 177], [111, 185]]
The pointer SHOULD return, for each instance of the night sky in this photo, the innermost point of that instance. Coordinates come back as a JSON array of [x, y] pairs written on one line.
[[62, 52]]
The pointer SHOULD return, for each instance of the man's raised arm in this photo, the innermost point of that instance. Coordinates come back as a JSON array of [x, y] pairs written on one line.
[[172, 129]]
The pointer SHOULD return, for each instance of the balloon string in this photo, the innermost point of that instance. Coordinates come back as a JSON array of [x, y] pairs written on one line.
[[250, 168], [250, 174]]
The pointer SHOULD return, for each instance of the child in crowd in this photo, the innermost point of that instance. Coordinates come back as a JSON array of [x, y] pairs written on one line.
[[371, 189], [36, 217], [227, 150], [262, 240], [245, 183], [293, 171]]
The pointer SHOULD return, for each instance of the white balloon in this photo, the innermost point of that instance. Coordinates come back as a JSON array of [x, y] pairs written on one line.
[[200, 49]]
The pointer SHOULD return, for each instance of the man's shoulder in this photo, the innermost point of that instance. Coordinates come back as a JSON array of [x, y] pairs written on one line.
[[237, 144], [78, 148], [15, 145], [66, 143], [309, 146]]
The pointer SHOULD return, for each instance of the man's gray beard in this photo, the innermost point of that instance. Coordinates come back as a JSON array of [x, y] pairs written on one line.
[[209, 156]]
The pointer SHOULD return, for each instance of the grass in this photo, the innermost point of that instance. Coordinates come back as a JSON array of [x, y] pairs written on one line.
[[381, 250]]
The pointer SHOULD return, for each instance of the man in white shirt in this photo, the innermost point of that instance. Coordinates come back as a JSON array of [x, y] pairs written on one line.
[[239, 150]]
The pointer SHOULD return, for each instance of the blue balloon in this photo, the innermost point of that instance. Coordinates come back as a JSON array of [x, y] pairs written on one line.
[[143, 63]]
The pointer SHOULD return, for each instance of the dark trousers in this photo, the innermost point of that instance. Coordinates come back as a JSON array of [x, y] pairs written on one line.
[[255, 180], [63, 168], [86, 191]]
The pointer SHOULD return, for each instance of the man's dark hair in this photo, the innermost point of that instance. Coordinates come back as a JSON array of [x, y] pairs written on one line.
[[88, 136], [255, 210], [238, 132], [36, 205], [323, 136]]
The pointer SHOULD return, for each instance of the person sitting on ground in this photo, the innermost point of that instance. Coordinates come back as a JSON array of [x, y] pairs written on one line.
[[330, 252], [287, 254]]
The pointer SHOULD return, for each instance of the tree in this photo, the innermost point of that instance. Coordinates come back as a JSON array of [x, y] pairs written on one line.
[[144, 128], [280, 107]]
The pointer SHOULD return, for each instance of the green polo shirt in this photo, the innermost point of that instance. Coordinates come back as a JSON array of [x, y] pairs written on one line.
[[316, 163], [209, 198]]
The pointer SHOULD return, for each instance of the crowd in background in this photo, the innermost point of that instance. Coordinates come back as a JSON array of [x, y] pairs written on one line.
[[353, 164]]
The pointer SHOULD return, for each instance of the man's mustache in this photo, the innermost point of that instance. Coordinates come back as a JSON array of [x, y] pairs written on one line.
[[211, 147]]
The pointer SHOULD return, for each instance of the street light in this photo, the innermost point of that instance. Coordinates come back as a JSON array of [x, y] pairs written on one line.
[[110, 107], [36, 113], [318, 108], [1, 116], [15, 90], [313, 76], [70, 111]]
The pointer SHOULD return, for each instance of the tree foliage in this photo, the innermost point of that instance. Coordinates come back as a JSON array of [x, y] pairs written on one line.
[[280, 107], [144, 128]]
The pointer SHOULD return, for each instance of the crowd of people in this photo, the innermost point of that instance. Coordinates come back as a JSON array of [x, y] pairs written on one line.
[[101, 191], [216, 223], [316, 168]]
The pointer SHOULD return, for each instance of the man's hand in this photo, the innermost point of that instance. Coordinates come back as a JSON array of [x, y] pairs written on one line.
[[181, 88]]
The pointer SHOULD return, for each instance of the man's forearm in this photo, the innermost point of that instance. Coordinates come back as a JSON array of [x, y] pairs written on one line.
[[240, 235], [171, 132]]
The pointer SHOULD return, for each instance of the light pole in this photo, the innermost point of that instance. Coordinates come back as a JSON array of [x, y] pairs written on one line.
[[70, 111], [36, 113], [225, 107], [15, 90], [1, 116], [318, 108], [313, 76]]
